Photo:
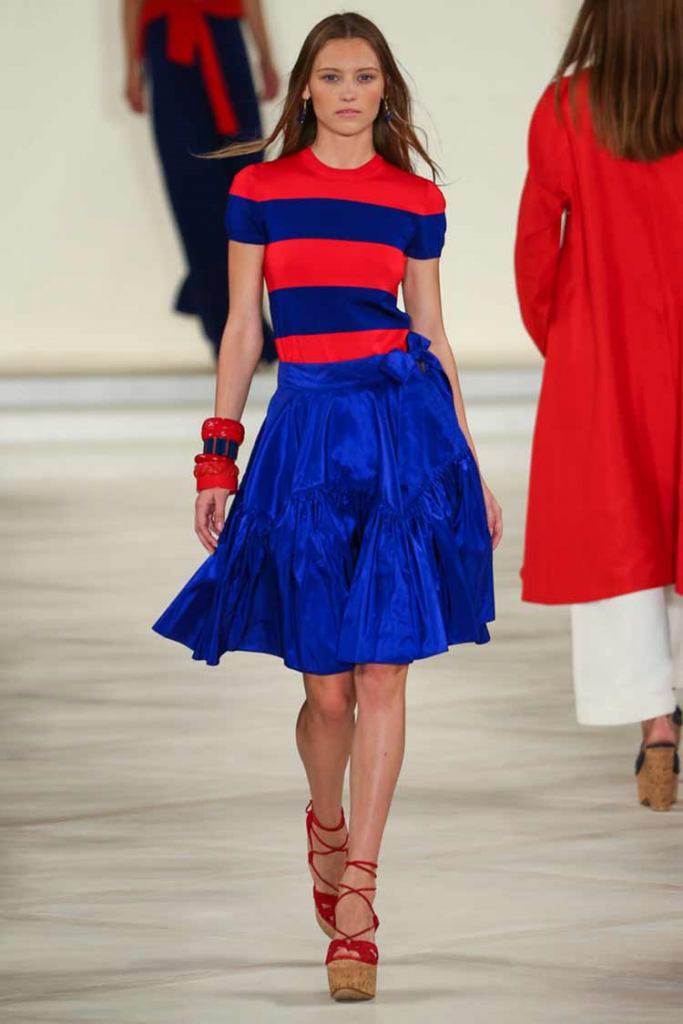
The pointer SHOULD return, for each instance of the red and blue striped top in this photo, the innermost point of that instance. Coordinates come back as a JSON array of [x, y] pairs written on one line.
[[336, 245]]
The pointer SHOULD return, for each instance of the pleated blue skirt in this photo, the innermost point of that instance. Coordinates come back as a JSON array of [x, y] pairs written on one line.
[[358, 533]]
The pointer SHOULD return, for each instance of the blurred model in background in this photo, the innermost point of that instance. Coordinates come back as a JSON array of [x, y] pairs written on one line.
[[604, 303], [193, 56]]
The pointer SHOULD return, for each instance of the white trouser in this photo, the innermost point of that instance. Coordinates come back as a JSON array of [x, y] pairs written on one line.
[[627, 656]]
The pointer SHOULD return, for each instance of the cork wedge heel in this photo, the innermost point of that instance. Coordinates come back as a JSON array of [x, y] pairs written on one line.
[[324, 902], [658, 769], [677, 719], [657, 776], [354, 978]]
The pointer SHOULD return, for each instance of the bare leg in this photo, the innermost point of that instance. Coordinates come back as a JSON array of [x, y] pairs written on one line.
[[660, 730], [376, 759], [324, 734]]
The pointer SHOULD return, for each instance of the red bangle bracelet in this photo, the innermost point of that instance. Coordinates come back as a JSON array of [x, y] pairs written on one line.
[[211, 459], [223, 426], [202, 471], [210, 482], [209, 476], [214, 464], [217, 470]]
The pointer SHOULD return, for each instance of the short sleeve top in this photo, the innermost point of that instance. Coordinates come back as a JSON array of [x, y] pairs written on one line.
[[336, 245]]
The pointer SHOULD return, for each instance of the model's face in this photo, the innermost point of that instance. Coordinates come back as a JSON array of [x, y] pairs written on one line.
[[346, 86]]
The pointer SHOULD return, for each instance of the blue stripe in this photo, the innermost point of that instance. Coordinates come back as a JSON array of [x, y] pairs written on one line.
[[329, 310], [341, 219], [419, 236], [429, 237], [243, 220]]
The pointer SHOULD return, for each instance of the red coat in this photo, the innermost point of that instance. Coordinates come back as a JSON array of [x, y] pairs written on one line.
[[606, 311]]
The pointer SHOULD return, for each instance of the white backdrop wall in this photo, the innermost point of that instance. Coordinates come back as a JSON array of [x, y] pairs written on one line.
[[90, 260]]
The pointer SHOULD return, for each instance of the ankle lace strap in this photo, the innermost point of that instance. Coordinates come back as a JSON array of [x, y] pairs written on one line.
[[364, 865], [311, 820], [327, 828]]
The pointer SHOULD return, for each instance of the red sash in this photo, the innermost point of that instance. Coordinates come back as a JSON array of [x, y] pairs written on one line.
[[189, 37]]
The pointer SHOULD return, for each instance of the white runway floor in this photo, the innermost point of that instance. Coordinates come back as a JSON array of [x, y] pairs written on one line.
[[153, 854]]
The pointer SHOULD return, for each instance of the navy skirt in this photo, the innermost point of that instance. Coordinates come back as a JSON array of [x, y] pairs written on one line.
[[358, 533]]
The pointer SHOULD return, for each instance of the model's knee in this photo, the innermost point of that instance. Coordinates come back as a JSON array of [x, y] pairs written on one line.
[[331, 704], [380, 687]]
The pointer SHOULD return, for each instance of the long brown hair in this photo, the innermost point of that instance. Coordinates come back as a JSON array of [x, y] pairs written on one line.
[[392, 139], [634, 50]]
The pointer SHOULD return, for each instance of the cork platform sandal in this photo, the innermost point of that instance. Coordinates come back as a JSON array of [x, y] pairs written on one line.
[[352, 978], [325, 902], [657, 769], [677, 719]]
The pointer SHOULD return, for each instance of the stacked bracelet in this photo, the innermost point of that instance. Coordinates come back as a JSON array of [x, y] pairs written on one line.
[[215, 466]]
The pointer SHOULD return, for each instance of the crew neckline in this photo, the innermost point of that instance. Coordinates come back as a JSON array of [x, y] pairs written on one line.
[[315, 164]]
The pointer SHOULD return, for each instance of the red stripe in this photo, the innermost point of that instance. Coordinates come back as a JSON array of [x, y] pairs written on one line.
[[301, 262], [189, 38], [333, 348], [287, 178]]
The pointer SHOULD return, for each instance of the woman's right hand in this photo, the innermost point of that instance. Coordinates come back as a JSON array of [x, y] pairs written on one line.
[[135, 87], [209, 515]]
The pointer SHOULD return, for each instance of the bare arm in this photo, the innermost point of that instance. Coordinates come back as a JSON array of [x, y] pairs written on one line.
[[242, 341], [253, 15], [422, 298], [134, 88], [130, 14], [240, 351]]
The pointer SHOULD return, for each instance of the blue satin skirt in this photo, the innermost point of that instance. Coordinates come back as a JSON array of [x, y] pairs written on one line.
[[358, 533]]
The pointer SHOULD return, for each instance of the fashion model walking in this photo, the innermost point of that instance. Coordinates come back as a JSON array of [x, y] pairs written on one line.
[[603, 301], [193, 57], [360, 538]]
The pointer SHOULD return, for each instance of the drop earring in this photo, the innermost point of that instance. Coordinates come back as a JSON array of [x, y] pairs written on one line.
[[387, 114], [303, 112]]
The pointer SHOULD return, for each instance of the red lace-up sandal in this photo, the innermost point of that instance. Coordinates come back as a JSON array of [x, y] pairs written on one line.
[[354, 977], [325, 902]]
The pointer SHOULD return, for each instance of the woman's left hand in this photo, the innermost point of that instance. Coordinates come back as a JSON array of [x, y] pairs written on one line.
[[494, 516]]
